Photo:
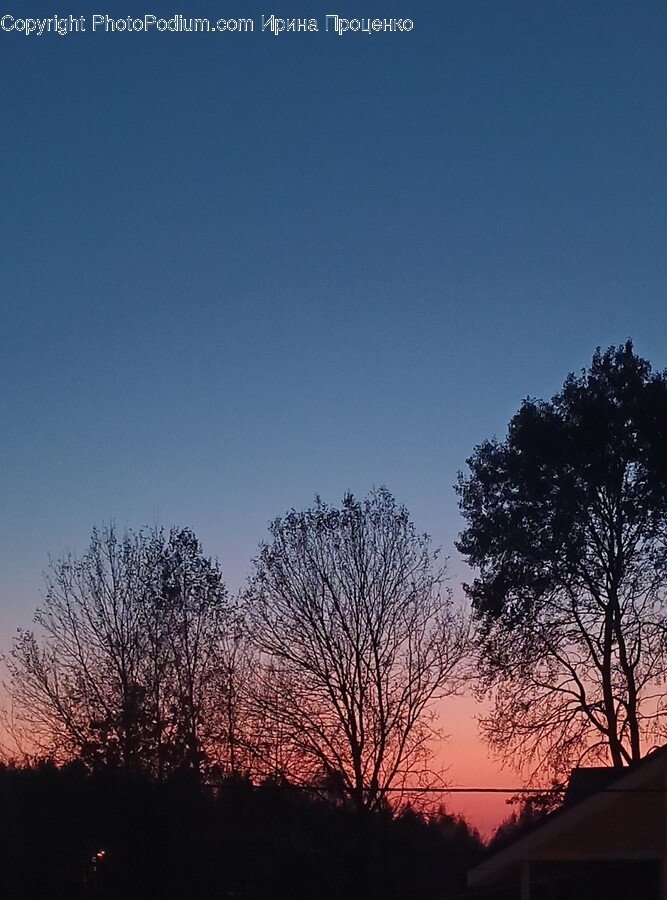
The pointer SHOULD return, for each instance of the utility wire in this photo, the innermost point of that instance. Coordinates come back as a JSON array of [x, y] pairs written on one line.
[[518, 790], [473, 790]]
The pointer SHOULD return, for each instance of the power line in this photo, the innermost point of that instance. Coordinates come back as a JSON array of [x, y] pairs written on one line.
[[473, 790], [459, 789], [517, 790]]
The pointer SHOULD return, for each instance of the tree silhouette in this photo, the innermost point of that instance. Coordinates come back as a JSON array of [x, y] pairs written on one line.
[[129, 664], [358, 639], [567, 525]]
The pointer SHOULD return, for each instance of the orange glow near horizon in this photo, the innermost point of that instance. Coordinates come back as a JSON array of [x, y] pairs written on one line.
[[467, 763], [464, 761]]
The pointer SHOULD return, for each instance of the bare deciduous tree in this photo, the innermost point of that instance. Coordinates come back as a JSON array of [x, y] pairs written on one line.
[[130, 657], [348, 609]]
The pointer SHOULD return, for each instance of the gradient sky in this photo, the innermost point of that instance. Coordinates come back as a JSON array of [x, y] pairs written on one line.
[[239, 270]]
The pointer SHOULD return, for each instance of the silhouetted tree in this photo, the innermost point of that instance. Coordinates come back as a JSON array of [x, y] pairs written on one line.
[[567, 525], [359, 641], [129, 665]]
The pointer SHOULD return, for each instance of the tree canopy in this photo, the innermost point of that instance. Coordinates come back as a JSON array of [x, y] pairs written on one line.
[[566, 523]]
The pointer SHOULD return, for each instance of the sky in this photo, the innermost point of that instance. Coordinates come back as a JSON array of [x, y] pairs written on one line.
[[242, 269]]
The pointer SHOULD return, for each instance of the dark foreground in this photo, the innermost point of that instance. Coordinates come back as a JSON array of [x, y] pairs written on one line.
[[65, 833]]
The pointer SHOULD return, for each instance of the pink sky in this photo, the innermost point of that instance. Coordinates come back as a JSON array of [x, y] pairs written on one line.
[[468, 763]]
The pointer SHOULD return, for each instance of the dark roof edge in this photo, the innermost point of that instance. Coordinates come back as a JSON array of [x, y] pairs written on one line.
[[628, 779]]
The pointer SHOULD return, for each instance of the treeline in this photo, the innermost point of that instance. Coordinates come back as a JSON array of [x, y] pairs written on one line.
[[69, 833], [323, 673], [177, 742]]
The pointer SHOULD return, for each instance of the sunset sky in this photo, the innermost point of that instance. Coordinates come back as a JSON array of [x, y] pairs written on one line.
[[242, 269]]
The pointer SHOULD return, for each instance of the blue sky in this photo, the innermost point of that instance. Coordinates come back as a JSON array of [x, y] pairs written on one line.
[[239, 270]]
